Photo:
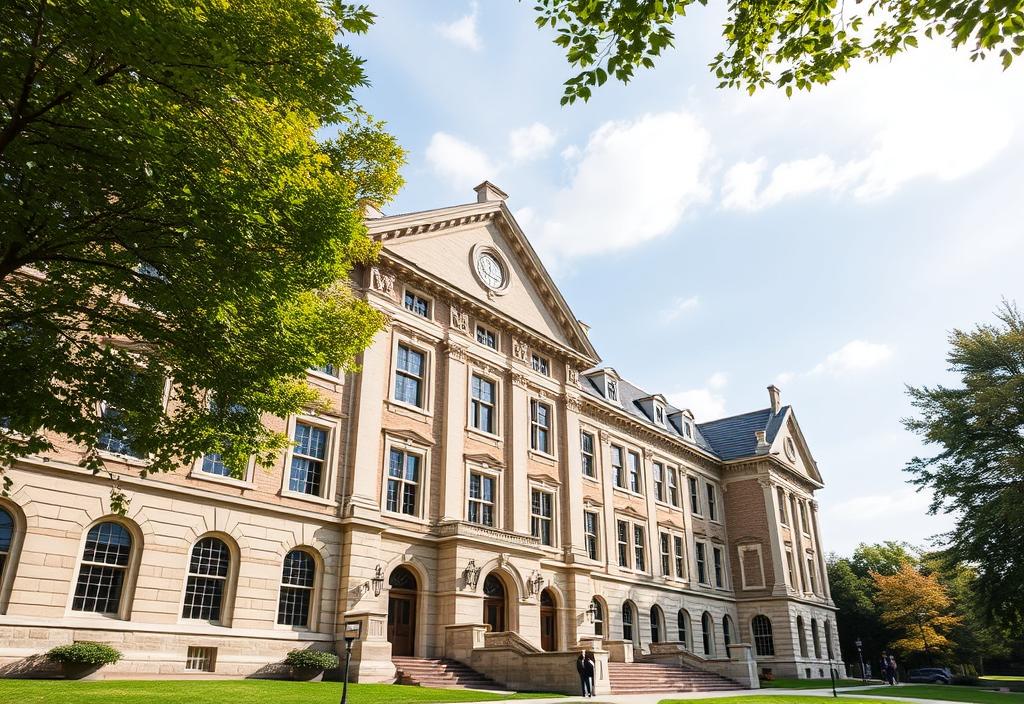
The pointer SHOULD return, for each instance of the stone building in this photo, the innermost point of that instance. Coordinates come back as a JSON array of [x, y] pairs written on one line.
[[481, 483]]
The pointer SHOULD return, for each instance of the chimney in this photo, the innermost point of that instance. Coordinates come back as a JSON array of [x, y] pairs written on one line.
[[776, 398], [762, 442], [488, 192]]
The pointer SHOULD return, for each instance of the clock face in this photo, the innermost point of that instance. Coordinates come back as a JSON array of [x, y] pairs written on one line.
[[490, 270], [790, 448]]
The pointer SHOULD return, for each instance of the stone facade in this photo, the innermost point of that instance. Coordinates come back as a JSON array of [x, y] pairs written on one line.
[[520, 467]]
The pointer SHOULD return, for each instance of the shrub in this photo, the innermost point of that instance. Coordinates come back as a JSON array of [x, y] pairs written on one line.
[[85, 652], [312, 660]]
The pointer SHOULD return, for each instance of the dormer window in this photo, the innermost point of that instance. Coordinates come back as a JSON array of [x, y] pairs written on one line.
[[611, 389], [688, 430], [659, 414]]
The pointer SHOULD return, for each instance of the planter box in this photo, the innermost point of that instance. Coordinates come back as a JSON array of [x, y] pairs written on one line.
[[78, 670], [302, 674]]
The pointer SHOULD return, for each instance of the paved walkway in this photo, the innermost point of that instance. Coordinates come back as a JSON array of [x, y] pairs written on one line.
[[655, 698]]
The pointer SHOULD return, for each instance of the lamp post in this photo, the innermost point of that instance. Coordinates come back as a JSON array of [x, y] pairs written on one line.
[[860, 655], [920, 623], [351, 634]]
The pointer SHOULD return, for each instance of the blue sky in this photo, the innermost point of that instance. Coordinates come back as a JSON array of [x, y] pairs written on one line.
[[717, 242]]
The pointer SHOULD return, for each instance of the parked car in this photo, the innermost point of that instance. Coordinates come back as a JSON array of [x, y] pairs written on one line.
[[931, 675]]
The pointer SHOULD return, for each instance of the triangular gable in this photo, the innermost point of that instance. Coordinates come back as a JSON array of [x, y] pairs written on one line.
[[441, 243], [798, 455]]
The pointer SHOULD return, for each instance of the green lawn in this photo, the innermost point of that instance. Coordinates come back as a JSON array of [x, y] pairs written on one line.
[[949, 693], [228, 691], [783, 683], [777, 699]]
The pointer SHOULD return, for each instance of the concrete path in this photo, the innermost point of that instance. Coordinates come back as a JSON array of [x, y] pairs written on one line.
[[655, 698]]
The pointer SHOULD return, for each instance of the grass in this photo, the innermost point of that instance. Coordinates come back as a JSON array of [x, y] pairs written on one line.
[[783, 683], [777, 699], [949, 693], [222, 691]]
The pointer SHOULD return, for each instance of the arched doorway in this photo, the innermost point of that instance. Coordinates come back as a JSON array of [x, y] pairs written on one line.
[[495, 603], [548, 627], [402, 612], [656, 619]]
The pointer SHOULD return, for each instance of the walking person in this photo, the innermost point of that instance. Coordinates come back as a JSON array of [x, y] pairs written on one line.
[[894, 673], [590, 669], [585, 679], [883, 668]]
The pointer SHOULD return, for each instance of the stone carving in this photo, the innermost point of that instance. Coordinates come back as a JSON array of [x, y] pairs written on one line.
[[459, 319], [572, 376], [380, 281], [521, 380], [455, 351], [573, 404], [520, 350], [606, 439], [648, 454]]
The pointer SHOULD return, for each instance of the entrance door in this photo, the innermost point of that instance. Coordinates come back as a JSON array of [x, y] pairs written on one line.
[[402, 613], [548, 639], [494, 603]]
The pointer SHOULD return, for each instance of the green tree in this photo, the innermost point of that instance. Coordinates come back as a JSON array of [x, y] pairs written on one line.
[[791, 44], [169, 214], [884, 558], [978, 473]]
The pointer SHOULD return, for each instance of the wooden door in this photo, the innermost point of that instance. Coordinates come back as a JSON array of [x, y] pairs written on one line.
[[548, 639], [402, 624]]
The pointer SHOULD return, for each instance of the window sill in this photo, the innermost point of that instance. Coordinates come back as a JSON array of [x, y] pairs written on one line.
[[666, 504], [589, 478], [285, 493], [404, 408], [628, 492], [484, 435], [218, 479], [404, 517], [543, 457], [321, 376], [126, 459]]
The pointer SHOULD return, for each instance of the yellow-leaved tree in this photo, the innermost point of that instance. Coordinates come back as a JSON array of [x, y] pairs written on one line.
[[916, 606]]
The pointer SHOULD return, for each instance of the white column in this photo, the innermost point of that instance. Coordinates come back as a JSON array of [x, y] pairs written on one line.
[[365, 463], [611, 554], [653, 536], [517, 485], [452, 459], [572, 481], [826, 589], [774, 535]]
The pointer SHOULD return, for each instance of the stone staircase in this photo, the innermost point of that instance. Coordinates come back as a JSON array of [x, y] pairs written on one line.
[[641, 678], [441, 673]]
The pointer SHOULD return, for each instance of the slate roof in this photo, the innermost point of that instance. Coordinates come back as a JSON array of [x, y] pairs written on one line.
[[728, 438], [734, 437]]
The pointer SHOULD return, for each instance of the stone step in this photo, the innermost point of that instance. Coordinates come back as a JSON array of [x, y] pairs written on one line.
[[656, 678], [440, 673]]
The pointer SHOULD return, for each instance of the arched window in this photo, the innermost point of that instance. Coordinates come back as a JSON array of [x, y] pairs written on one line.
[[101, 578], [683, 624], [707, 628], [801, 635], [828, 639], [207, 580], [727, 631], [815, 639], [296, 589], [655, 624], [6, 539], [598, 617], [764, 643], [627, 622]]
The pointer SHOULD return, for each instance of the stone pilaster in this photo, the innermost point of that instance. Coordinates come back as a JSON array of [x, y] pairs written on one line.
[[366, 438], [572, 481], [517, 486], [453, 453], [775, 536]]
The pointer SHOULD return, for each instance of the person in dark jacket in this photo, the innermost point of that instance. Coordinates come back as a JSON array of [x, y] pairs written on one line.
[[585, 668]]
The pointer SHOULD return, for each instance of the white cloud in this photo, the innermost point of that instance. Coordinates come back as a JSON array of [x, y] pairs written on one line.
[[854, 356], [706, 403], [927, 114], [633, 182], [529, 143], [679, 307], [463, 31], [458, 162], [784, 378], [571, 152]]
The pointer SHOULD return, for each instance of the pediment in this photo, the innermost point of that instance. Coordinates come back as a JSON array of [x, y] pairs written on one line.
[[446, 244], [485, 459], [790, 446], [410, 436]]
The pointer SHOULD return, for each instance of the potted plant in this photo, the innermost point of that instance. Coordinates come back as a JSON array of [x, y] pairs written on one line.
[[309, 665], [82, 658]]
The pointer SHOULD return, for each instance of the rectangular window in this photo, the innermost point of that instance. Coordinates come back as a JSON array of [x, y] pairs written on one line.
[[540, 427], [659, 481], [114, 438], [635, 481], [719, 568], [410, 376], [666, 554], [541, 516], [783, 519], [487, 338], [791, 568], [659, 414], [812, 575], [590, 533], [481, 499], [618, 475], [417, 304], [213, 464], [803, 518], [307, 471], [712, 503], [694, 496], [671, 480], [702, 563], [587, 453], [639, 549], [327, 369], [483, 404], [677, 545], [403, 483], [622, 537], [540, 364], [200, 659]]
